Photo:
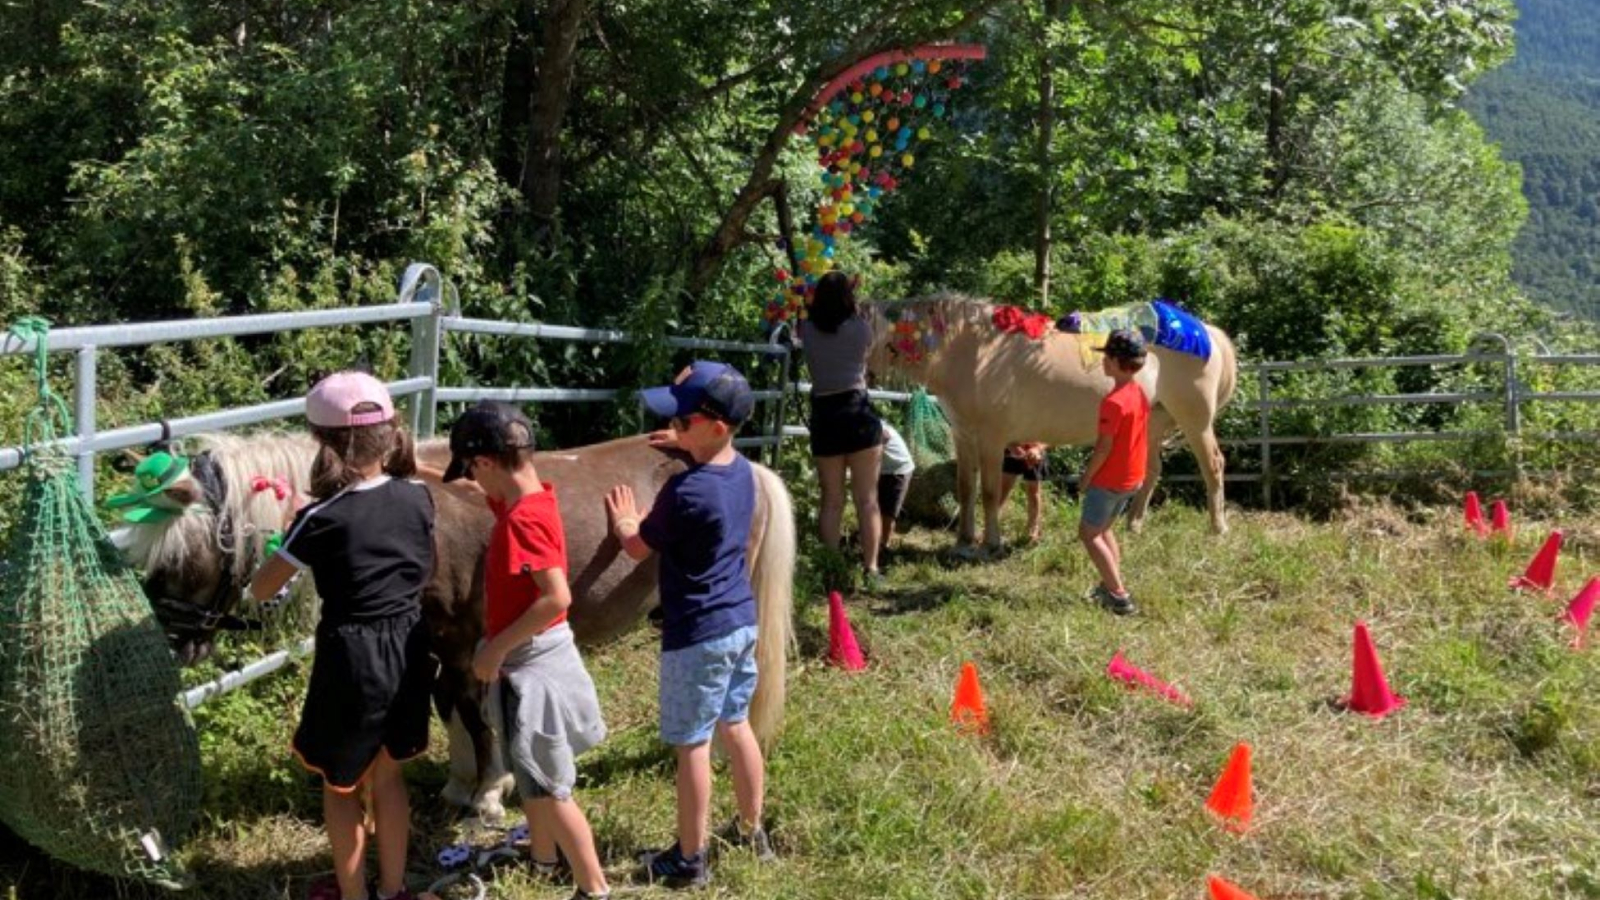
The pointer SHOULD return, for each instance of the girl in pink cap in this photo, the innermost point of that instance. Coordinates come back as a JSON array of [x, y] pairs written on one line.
[[367, 537]]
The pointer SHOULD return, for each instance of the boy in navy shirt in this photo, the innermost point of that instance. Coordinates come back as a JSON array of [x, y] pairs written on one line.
[[699, 525]]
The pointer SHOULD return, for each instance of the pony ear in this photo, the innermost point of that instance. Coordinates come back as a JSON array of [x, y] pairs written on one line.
[[127, 460]]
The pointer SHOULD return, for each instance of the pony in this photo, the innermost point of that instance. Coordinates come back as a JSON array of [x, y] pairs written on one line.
[[196, 564], [1000, 387]]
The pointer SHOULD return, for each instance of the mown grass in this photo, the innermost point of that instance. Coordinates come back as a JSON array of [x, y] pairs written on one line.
[[1486, 785]]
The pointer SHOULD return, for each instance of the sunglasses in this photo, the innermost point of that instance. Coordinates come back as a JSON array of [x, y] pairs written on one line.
[[682, 423]]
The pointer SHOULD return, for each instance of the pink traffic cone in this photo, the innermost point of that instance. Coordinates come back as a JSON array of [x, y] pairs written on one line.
[[1369, 689], [1581, 607], [1541, 573], [1474, 515], [843, 651], [1128, 673], [1500, 520]]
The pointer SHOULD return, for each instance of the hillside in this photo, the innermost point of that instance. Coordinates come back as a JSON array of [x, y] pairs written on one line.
[[1544, 110]]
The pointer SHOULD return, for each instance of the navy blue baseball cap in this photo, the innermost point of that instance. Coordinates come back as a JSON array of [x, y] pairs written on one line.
[[710, 388], [1125, 344]]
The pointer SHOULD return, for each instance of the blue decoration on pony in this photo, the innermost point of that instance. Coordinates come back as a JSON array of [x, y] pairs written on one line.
[[1179, 330]]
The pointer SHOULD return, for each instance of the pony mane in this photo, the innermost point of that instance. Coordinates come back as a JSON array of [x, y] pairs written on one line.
[[253, 515]]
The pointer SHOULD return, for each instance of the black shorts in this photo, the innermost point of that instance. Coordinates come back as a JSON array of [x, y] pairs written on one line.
[[843, 423], [371, 685], [892, 494], [1015, 466]]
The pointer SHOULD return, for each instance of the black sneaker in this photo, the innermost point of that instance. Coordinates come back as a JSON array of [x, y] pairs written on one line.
[[671, 868], [1121, 605], [756, 840]]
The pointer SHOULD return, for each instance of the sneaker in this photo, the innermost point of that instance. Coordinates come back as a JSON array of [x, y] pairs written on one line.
[[558, 872], [1120, 604], [671, 868], [756, 840], [873, 580]]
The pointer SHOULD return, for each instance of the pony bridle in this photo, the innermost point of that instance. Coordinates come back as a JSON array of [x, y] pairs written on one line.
[[189, 618]]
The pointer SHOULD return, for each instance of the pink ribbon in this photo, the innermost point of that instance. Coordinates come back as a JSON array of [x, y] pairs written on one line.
[[279, 486]]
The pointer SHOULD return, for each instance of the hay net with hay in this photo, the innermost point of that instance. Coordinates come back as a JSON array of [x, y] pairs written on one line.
[[99, 764], [928, 431]]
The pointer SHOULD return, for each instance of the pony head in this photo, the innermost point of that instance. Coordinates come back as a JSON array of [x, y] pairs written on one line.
[[909, 335], [197, 560]]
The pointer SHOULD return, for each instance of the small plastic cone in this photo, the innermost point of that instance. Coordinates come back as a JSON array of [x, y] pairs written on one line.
[[1230, 800], [1581, 607], [1474, 515], [1500, 520], [1225, 890], [1541, 573], [843, 651], [1369, 690], [967, 710], [1128, 673]]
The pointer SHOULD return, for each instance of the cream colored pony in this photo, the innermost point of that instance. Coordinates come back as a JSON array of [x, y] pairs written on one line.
[[1000, 388]]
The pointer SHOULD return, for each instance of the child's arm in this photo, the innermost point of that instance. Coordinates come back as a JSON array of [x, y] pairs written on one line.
[[1102, 452], [624, 514], [555, 595], [429, 473], [271, 577]]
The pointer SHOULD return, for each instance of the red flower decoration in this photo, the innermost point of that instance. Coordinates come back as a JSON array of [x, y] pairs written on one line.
[[1036, 325], [1007, 318]]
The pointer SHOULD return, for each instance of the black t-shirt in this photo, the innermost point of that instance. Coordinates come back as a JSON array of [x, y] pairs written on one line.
[[369, 549]]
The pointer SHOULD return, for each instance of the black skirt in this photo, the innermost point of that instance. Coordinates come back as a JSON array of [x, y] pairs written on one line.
[[843, 423], [371, 684]]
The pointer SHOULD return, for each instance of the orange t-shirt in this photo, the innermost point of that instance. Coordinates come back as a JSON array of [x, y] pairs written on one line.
[[527, 538], [1125, 416]]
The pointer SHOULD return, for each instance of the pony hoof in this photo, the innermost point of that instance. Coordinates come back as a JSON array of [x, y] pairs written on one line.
[[969, 552], [457, 795]]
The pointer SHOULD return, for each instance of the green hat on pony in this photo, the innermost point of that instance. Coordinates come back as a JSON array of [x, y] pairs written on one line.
[[155, 474]]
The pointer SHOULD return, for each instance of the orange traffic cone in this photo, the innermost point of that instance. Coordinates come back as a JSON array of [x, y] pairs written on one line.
[[1225, 890], [1474, 515], [843, 651], [1541, 573], [1369, 689], [967, 710], [1230, 800], [1581, 608]]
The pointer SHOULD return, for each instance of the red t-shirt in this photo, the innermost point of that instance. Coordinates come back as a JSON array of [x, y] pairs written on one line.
[[527, 538], [1125, 416]]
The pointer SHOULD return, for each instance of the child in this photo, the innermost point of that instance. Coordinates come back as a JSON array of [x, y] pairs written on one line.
[[1116, 468], [367, 537], [893, 482], [700, 523], [550, 711], [1026, 461]]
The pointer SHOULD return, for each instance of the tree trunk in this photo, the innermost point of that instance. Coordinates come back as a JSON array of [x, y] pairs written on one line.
[[1047, 128], [541, 164], [516, 93]]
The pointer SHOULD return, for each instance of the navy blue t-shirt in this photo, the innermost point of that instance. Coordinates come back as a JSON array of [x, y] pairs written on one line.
[[699, 526]]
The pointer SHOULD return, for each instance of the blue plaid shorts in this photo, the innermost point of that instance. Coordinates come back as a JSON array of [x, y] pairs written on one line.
[[707, 683]]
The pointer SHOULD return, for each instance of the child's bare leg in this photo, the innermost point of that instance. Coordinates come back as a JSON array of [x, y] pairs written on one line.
[[1007, 483], [391, 810], [541, 832], [1100, 555], [1116, 552], [571, 830], [749, 769], [830, 513], [888, 531], [1033, 510], [342, 813], [694, 796]]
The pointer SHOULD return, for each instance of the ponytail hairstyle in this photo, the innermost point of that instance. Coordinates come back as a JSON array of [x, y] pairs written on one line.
[[342, 452]]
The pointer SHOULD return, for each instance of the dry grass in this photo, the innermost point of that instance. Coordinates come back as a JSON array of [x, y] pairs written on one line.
[[1485, 785]]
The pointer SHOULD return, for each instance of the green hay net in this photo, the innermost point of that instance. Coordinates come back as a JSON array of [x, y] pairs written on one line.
[[928, 431], [99, 764]]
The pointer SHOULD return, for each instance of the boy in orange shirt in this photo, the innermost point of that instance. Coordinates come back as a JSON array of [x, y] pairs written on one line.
[[1116, 469]]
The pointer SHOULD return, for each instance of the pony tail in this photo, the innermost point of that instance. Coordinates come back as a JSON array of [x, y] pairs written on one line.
[[329, 473], [402, 461]]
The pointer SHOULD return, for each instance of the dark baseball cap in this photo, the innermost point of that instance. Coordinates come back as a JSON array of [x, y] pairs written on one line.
[[1123, 343], [487, 429], [710, 388]]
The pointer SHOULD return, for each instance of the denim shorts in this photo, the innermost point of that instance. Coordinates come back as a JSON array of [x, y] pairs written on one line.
[[1101, 507], [707, 683]]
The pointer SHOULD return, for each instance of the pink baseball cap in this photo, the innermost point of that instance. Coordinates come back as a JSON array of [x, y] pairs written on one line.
[[332, 403]]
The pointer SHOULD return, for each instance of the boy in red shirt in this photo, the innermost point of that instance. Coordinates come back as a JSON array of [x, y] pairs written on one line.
[[537, 679], [1116, 468]]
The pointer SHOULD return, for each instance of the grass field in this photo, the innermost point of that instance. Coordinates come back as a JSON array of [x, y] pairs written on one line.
[[1486, 785]]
